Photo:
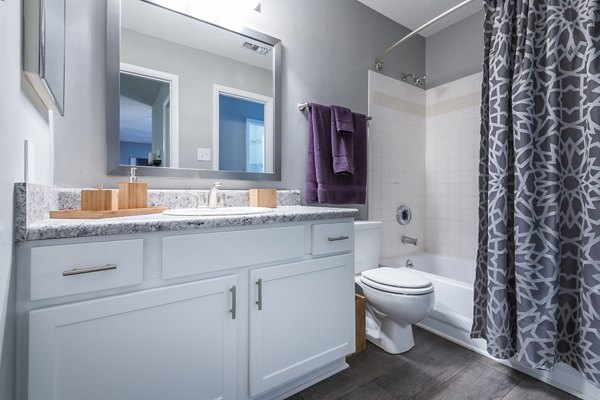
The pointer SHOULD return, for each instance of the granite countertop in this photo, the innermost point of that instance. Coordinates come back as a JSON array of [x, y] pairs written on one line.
[[69, 228]]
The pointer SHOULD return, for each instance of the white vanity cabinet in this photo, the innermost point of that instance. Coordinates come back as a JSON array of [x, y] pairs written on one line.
[[175, 342], [299, 319], [240, 313]]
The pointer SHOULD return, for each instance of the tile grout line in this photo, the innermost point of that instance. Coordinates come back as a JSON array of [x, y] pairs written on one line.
[[440, 383], [384, 389], [523, 377]]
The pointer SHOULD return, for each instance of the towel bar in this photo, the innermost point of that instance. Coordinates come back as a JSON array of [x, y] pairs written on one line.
[[304, 107]]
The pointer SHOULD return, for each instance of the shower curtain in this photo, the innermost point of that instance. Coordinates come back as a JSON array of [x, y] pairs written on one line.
[[537, 290]]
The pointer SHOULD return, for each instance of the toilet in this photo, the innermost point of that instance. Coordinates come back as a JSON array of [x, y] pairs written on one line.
[[396, 297]]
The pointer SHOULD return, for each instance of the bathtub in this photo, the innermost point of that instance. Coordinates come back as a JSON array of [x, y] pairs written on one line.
[[452, 316], [452, 278]]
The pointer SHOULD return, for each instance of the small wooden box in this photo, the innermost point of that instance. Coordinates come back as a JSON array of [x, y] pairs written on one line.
[[263, 198], [133, 195], [360, 304], [99, 200]]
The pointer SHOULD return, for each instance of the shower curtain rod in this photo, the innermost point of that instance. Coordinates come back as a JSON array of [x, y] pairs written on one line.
[[379, 60], [304, 107]]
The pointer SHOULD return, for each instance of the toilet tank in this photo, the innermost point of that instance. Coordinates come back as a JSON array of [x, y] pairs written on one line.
[[367, 239]]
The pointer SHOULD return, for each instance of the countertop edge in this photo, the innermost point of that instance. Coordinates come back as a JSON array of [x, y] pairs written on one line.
[[65, 229]]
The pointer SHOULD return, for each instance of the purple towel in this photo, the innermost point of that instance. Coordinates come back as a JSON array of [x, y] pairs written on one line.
[[322, 185], [343, 119], [342, 141]]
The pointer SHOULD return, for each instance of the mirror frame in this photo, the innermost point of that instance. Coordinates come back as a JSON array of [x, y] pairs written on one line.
[[35, 53], [113, 68]]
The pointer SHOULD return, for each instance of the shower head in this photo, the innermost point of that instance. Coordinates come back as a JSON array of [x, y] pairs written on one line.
[[410, 78]]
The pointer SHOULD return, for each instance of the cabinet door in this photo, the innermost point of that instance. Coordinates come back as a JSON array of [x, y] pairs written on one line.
[[177, 342], [301, 318]]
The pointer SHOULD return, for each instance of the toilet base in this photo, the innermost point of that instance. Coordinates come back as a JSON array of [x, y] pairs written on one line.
[[391, 336]]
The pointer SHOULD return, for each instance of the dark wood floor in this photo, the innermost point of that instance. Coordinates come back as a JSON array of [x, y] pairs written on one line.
[[434, 369]]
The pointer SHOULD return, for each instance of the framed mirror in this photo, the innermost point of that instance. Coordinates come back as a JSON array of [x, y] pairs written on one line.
[[190, 98], [44, 50]]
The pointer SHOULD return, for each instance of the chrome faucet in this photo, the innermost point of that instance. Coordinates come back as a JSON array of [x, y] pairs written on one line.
[[213, 195], [408, 240], [409, 263]]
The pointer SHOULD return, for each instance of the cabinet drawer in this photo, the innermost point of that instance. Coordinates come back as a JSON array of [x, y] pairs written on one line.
[[197, 254], [332, 238], [79, 268]]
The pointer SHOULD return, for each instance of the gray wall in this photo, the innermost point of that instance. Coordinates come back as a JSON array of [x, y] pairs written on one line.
[[328, 47], [197, 71], [20, 119], [456, 51]]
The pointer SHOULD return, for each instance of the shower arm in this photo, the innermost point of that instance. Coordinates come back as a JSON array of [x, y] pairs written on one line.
[[379, 60]]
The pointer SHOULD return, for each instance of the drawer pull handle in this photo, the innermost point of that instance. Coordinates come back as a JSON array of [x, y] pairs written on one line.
[[233, 310], [259, 301], [79, 271], [336, 238]]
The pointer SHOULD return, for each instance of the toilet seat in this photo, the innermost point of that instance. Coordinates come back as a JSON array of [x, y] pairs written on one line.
[[396, 280]]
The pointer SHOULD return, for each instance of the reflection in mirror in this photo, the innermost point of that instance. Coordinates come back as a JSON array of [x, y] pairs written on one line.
[[148, 125], [242, 136], [195, 96]]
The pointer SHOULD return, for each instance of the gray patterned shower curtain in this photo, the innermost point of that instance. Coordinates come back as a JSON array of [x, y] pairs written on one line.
[[537, 291]]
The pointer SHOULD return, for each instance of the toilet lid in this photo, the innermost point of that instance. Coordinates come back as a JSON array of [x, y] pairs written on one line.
[[397, 280]]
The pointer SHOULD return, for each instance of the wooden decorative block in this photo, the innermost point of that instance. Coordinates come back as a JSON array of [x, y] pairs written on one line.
[[263, 198], [99, 200], [133, 195]]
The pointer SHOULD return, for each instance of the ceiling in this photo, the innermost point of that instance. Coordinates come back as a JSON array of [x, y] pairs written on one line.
[[414, 13], [159, 22]]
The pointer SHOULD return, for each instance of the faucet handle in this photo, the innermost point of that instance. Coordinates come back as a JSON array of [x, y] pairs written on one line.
[[213, 195]]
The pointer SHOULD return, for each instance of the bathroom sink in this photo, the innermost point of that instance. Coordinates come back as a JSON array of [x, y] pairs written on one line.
[[219, 211]]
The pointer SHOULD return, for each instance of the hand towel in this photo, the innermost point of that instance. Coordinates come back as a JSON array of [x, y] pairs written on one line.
[[342, 141], [343, 119], [322, 185]]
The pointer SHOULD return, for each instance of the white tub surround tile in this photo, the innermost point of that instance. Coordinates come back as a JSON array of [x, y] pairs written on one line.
[[396, 160], [452, 157], [424, 152]]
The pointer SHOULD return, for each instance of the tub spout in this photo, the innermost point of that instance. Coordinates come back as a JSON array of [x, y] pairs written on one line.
[[408, 240]]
